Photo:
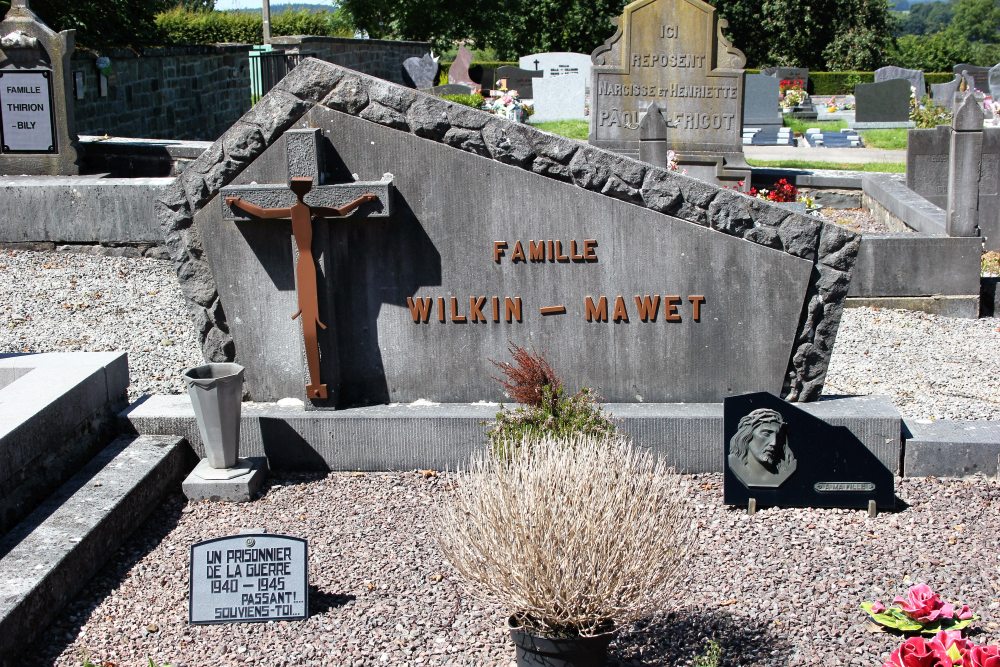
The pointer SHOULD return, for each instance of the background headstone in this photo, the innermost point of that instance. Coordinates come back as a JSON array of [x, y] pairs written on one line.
[[822, 465], [980, 75], [422, 72], [883, 102], [914, 76], [36, 96], [797, 77], [519, 79], [558, 63], [943, 94], [671, 53], [559, 98], [927, 163], [459, 70], [761, 107], [994, 81]]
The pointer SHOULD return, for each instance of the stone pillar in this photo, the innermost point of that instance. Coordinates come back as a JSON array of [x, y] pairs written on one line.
[[36, 96], [653, 137], [964, 167]]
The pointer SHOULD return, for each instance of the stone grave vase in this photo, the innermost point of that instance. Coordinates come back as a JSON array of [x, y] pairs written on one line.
[[216, 391]]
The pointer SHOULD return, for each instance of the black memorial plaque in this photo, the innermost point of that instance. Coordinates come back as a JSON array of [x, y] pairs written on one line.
[[781, 456], [518, 79], [249, 579]]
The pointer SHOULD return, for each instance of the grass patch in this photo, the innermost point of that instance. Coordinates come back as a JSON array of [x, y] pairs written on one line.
[[571, 129], [890, 139], [800, 126], [991, 263], [880, 167]]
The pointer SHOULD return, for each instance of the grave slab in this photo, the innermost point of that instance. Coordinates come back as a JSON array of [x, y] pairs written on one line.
[[951, 448]]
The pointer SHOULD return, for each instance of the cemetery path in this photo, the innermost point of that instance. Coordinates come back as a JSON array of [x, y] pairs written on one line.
[[780, 588]]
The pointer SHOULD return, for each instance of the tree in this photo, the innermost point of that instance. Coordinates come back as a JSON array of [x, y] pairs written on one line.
[[977, 20], [926, 18], [101, 23]]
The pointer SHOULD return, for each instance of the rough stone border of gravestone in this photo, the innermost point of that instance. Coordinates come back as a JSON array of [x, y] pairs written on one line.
[[832, 249]]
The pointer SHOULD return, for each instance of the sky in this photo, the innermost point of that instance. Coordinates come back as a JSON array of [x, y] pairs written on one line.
[[256, 4]]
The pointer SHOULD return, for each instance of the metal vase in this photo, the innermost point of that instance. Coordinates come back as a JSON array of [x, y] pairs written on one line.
[[216, 392]]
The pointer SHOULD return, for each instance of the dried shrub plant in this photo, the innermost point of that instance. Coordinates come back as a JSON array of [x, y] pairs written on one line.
[[572, 536], [545, 410]]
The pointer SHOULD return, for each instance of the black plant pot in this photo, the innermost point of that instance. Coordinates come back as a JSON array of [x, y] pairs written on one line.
[[536, 651]]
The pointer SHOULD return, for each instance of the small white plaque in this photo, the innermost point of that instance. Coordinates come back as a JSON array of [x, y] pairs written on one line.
[[26, 112], [248, 578]]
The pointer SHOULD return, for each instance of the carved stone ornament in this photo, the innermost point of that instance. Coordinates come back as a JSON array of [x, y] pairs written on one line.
[[759, 454], [18, 40]]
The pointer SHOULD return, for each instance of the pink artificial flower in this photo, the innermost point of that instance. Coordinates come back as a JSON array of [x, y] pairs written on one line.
[[924, 605], [949, 638], [877, 607], [981, 656], [920, 652], [964, 613]]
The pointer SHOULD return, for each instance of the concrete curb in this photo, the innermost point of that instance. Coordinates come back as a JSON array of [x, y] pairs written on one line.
[[48, 558], [952, 448], [442, 436]]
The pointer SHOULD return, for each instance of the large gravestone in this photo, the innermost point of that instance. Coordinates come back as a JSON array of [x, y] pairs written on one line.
[[37, 136], [459, 70], [980, 75], [914, 76], [994, 81], [943, 94], [927, 164], [558, 64], [761, 107], [672, 53], [640, 282], [884, 104]]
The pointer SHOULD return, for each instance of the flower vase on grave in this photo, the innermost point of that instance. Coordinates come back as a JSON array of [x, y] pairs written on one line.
[[216, 391]]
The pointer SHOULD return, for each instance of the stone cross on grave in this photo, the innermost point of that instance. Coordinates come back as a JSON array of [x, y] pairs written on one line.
[[304, 201]]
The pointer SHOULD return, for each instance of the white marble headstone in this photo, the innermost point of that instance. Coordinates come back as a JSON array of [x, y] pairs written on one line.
[[561, 97], [558, 64]]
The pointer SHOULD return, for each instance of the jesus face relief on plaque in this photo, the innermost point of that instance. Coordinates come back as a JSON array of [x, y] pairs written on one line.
[[759, 455]]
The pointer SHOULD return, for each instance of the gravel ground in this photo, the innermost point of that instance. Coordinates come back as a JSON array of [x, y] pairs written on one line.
[[860, 220], [931, 367], [780, 588]]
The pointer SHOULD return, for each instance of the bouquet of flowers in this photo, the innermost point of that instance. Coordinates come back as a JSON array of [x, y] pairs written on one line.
[[782, 191], [509, 106], [945, 649], [922, 610], [793, 97]]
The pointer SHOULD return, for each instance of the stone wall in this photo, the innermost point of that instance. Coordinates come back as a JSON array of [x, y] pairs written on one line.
[[198, 92]]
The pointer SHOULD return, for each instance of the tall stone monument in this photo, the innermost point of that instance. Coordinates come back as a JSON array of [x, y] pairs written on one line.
[[672, 54], [36, 114]]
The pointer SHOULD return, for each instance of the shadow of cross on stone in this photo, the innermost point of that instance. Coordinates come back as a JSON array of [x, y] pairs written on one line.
[[302, 203]]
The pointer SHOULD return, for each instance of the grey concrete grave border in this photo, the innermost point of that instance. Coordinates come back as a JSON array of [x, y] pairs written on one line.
[[56, 410], [50, 556], [832, 249]]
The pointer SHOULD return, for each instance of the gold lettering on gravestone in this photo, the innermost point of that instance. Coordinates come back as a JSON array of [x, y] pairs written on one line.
[[488, 308]]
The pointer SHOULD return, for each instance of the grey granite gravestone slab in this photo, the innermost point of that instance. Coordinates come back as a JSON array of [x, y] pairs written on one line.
[[672, 53], [760, 102], [883, 102], [994, 81], [796, 77], [434, 282], [519, 79], [558, 64], [980, 75], [943, 94], [914, 76], [927, 163], [37, 129], [459, 70], [422, 72], [561, 97]]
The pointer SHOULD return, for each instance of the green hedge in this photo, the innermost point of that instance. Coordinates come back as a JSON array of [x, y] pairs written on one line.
[[179, 26]]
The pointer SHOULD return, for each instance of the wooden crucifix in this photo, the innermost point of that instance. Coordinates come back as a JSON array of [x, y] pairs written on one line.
[[302, 216], [303, 201]]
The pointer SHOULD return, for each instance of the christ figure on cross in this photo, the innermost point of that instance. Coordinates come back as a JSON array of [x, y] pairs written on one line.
[[302, 216]]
